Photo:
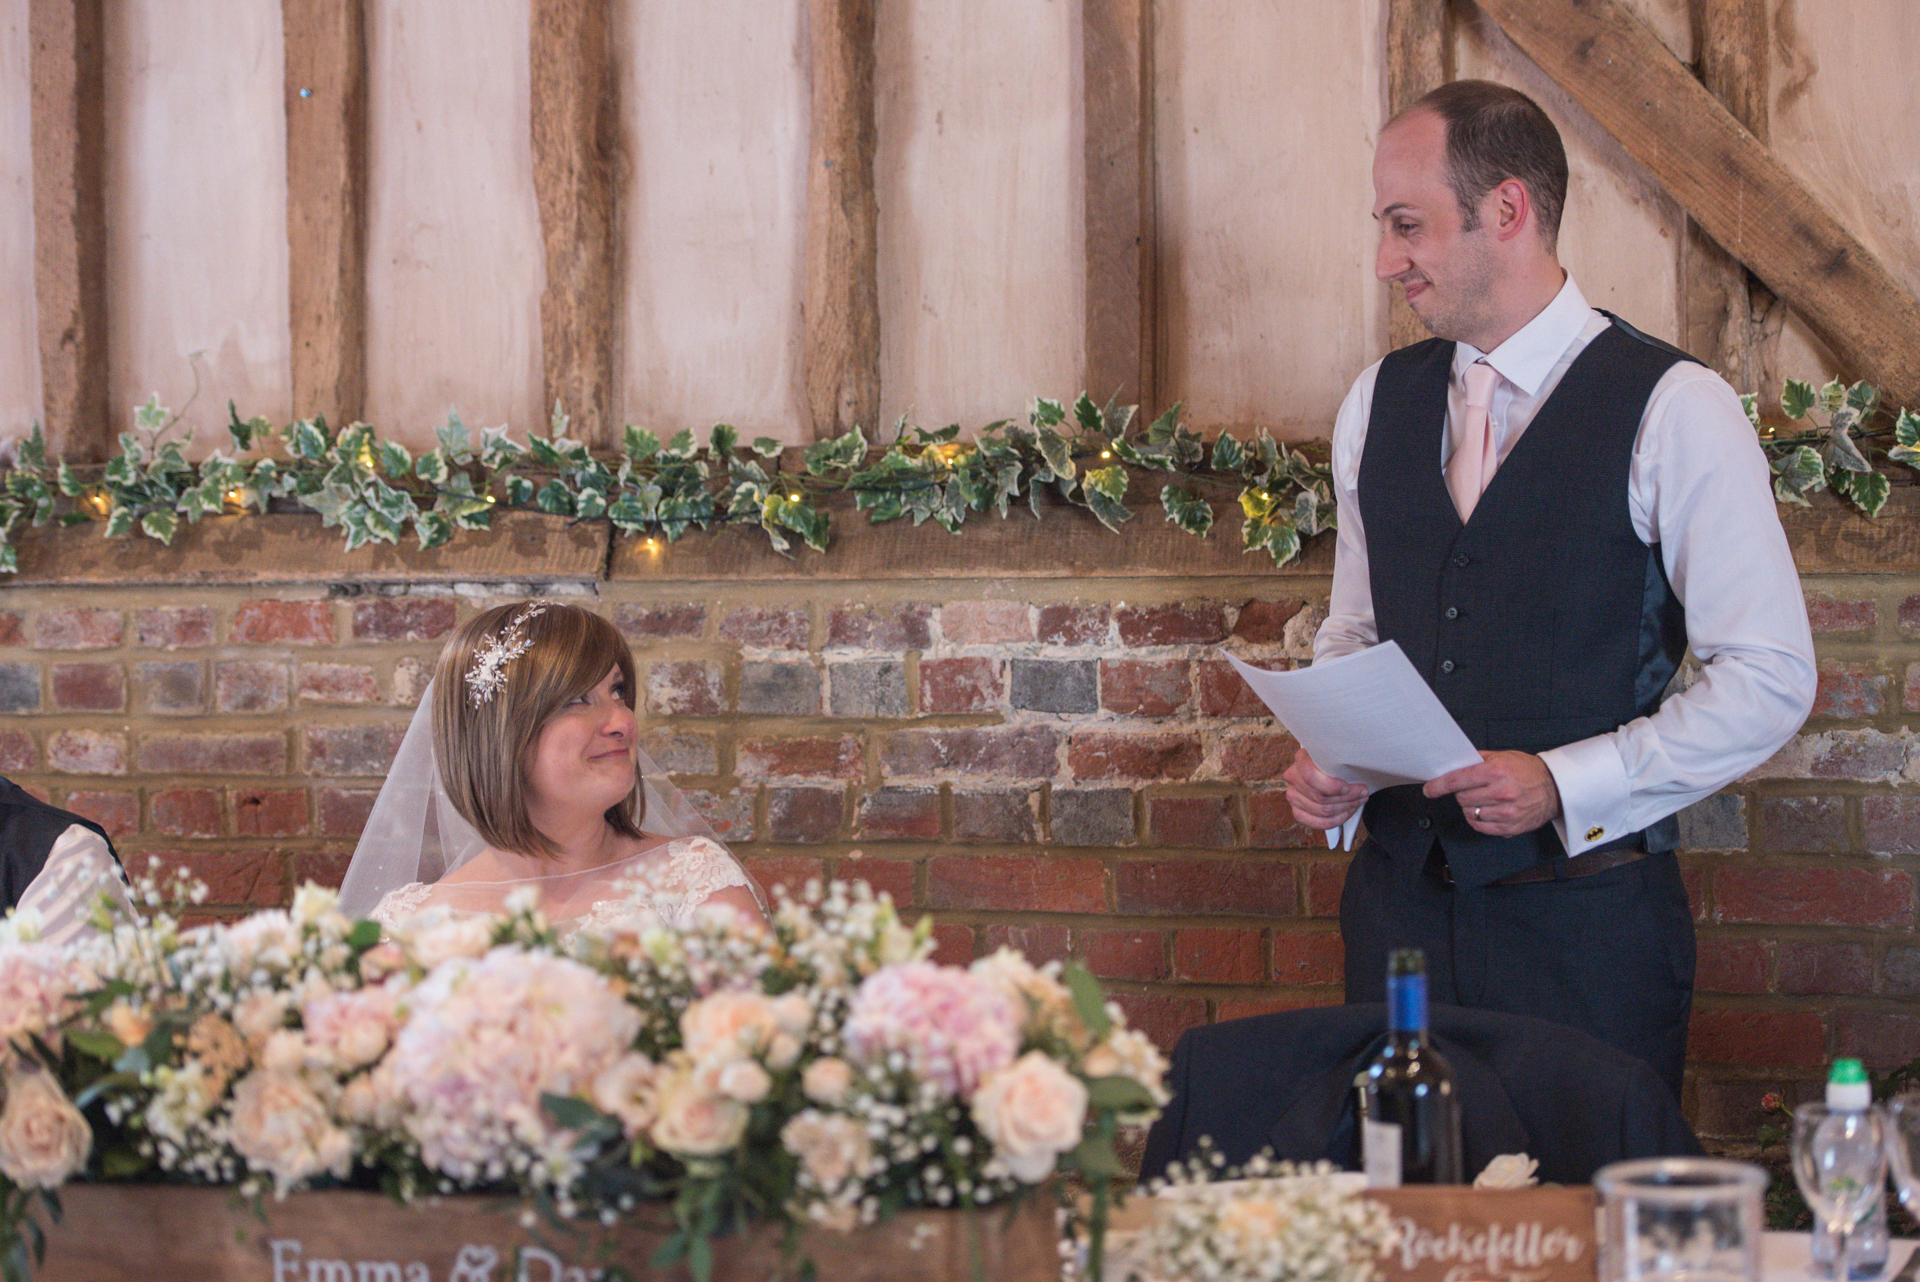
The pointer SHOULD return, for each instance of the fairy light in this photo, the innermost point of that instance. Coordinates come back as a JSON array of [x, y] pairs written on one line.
[[236, 498], [99, 504], [1106, 453], [793, 498]]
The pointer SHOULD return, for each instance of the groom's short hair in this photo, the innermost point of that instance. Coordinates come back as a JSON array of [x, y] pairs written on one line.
[[482, 748], [1495, 133]]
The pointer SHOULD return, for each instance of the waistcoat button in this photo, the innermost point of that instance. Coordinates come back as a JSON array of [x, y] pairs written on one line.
[[1453, 612], [1425, 822], [1447, 666], [1462, 559]]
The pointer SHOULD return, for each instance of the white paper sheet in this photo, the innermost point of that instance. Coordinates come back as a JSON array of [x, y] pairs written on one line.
[[1366, 717]]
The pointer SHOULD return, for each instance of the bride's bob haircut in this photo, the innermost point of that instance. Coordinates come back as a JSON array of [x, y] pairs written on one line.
[[482, 749]]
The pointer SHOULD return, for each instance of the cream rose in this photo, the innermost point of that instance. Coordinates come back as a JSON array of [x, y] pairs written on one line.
[[129, 1025], [692, 1121], [744, 1080], [625, 1088], [730, 1021], [832, 1147], [1128, 1052], [1508, 1171], [826, 1081], [1032, 1111], [438, 940], [281, 1127], [44, 1141]]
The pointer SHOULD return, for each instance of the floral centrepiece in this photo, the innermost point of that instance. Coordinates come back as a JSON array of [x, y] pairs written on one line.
[[822, 1071]]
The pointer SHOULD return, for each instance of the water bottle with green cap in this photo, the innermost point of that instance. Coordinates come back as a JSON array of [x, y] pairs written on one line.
[[1848, 1090]]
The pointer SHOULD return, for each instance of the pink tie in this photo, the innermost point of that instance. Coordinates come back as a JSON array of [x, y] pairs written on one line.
[[1475, 457]]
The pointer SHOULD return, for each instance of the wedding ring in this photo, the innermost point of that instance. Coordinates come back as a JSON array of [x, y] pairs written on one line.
[[1476, 814]]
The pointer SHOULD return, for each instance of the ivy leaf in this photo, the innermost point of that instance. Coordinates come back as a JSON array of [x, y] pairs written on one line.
[[1105, 490], [9, 559], [1751, 404], [1163, 428], [1088, 1001], [497, 449], [434, 467], [519, 490], [432, 529], [1088, 415], [766, 447], [152, 416], [639, 444], [1187, 510], [456, 443], [680, 445], [305, 440], [1843, 455], [1047, 413], [1798, 474], [843, 451], [1118, 417], [1863, 397], [1057, 452], [69, 483], [472, 512], [627, 514], [160, 524], [1228, 454], [1833, 395], [554, 497], [395, 459], [1796, 398], [1906, 429], [723, 441], [119, 522], [1867, 491], [1119, 1095], [591, 505]]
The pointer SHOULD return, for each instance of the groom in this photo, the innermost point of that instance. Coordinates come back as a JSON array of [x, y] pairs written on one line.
[[1545, 508]]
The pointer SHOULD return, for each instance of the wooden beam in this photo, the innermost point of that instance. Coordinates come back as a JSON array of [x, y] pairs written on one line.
[[576, 141], [1419, 60], [1728, 318], [69, 128], [1726, 179], [841, 310], [1117, 59], [326, 100]]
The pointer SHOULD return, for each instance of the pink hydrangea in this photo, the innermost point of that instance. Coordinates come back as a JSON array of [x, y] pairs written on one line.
[[350, 1029], [954, 1028], [37, 984]]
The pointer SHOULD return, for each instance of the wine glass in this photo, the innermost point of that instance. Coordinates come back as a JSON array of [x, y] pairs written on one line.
[[1903, 1147], [1840, 1164]]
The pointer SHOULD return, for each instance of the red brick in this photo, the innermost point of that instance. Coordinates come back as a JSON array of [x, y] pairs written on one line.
[[817, 756], [221, 754], [1862, 754], [87, 752], [1815, 896], [11, 631], [1271, 825], [969, 684], [1021, 752], [1191, 821], [900, 814], [1248, 1007], [767, 628], [1801, 824], [1162, 1016], [791, 871], [1910, 692], [1757, 1038], [1830, 614], [1731, 1108], [952, 944], [410, 677], [1910, 616], [344, 811], [1243, 886], [1124, 954], [1884, 1039], [1892, 824], [893, 876], [686, 690], [77, 629], [1849, 690], [1309, 957], [17, 752], [1145, 687], [172, 687], [1694, 879], [117, 812], [986, 622], [652, 622], [1326, 879], [805, 814], [880, 627], [1099, 754], [1257, 757], [1218, 955], [247, 686], [186, 812], [89, 687], [352, 749], [1009, 816], [252, 879], [342, 683], [173, 628], [1265, 622], [270, 812], [327, 868], [284, 623], [404, 618], [1039, 944], [1731, 966], [730, 813], [1201, 624], [1072, 624], [1021, 883], [1224, 694], [1808, 969]]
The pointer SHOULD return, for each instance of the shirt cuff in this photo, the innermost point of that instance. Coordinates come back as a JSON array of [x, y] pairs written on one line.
[[1592, 780]]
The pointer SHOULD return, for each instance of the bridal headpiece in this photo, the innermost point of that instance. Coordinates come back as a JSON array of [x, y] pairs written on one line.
[[488, 675]]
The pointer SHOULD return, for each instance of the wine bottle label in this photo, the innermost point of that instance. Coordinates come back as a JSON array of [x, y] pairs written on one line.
[[1380, 1153]]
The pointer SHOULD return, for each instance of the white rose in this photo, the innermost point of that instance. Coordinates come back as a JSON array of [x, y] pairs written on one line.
[[44, 1141], [831, 1146], [744, 1080], [730, 1021], [1128, 1052], [692, 1121], [1508, 1171], [827, 1081], [311, 903], [793, 1013], [1032, 1111], [464, 935], [625, 1088], [784, 1050], [280, 1126], [259, 1016]]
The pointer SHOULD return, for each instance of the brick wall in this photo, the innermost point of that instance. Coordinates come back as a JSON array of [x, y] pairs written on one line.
[[1044, 756]]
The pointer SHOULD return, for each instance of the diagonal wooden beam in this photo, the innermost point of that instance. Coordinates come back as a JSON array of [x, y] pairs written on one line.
[[69, 128], [576, 141], [1419, 60], [1726, 179], [1117, 58], [841, 310], [326, 101]]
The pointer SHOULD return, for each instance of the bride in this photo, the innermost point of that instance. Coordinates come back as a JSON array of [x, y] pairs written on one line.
[[521, 770]]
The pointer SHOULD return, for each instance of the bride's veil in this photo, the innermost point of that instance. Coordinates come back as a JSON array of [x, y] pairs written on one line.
[[414, 834]]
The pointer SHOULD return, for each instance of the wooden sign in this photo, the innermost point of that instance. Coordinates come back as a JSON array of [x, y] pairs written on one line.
[[1458, 1234]]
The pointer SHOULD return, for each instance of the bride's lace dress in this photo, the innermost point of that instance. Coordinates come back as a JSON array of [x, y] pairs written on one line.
[[669, 882]]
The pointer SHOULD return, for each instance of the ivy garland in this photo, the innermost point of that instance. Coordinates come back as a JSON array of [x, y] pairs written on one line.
[[376, 490]]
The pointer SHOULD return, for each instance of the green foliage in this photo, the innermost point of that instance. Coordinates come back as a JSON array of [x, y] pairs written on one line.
[[1842, 453]]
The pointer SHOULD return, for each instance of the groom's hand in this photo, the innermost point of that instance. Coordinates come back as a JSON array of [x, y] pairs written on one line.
[[1507, 794], [1319, 800]]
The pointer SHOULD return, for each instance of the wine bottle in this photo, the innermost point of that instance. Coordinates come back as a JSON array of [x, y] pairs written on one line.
[[1409, 1114]]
